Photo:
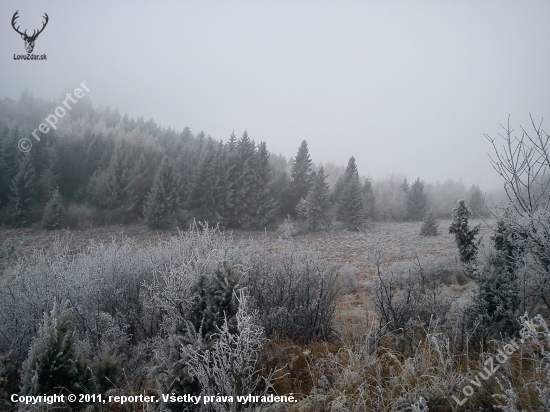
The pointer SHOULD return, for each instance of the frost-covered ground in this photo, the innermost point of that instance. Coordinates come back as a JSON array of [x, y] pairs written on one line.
[[340, 249]]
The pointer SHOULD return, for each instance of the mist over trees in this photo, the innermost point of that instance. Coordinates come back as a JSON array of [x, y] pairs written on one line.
[[108, 168]]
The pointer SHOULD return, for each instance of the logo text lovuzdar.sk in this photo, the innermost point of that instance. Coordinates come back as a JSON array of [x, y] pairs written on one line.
[[29, 39]]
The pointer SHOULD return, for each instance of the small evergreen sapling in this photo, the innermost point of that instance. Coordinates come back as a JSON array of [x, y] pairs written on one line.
[[464, 236], [430, 224], [53, 360]]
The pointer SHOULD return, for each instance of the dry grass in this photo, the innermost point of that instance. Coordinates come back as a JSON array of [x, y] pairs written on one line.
[[347, 373]]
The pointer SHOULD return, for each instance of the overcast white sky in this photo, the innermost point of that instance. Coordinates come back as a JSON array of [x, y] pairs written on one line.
[[404, 86]]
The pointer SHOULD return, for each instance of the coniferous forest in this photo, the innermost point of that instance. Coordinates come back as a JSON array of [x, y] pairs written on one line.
[[102, 168]]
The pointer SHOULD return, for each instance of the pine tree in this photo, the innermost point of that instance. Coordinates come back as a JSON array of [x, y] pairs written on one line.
[[429, 225], [317, 206], [23, 192], [417, 200], [464, 236], [53, 212], [163, 201]]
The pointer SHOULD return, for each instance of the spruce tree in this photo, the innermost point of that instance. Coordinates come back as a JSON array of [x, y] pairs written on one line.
[[266, 206], [351, 209], [120, 196], [405, 187], [214, 300], [243, 169], [368, 199], [477, 203], [300, 177], [53, 362], [48, 179], [317, 206], [53, 212], [203, 200], [417, 200], [429, 224], [464, 236], [5, 169], [351, 170], [163, 201], [23, 192], [232, 144]]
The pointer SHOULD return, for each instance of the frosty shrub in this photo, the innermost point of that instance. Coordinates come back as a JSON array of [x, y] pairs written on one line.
[[408, 296], [429, 225], [136, 305], [347, 282], [287, 229], [230, 366], [293, 292]]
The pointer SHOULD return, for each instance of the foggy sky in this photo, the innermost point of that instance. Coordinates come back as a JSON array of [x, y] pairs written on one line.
[[406, 87]]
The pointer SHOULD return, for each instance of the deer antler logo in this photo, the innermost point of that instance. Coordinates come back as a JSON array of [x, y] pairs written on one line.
[[29, 40]]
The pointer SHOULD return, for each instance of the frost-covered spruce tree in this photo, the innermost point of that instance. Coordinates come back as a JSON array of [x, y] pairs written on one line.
[[477, 203], [111, 188], [208, 194], [317, 206], [429, 224], [243, 174], [416, 200], [163, 201], [351, 209], [368, 199], [214, 300], [464, 236], [23, 191], [53, 212], [53, 361], [266, 206], [300, 176]]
